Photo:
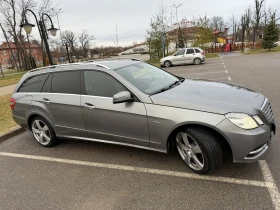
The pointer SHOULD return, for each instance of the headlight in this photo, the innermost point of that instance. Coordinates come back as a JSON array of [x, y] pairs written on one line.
[[242, 120]]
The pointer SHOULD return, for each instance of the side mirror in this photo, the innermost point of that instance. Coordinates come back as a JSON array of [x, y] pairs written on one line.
[[122, 97]]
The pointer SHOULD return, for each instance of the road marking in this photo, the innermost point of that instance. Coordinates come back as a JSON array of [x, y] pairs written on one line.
[[143, 170], [227, 71], [273, 190], [214, 72], [229, 78]]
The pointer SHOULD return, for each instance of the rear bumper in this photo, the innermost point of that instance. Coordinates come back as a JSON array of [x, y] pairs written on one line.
[[247, 145]]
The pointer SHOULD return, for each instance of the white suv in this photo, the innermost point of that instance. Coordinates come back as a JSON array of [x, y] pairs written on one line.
[[184, 56]]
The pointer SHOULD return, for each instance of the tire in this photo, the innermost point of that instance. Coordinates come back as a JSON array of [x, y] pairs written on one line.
[[202, 153], [43, 132], [197, 61], [167, 64]]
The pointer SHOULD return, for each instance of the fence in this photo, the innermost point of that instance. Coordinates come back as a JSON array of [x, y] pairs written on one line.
[[234, 47]]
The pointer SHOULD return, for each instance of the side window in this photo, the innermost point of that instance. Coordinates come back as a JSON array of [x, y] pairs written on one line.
[[66, 82], [47, 88], [101, 84], [180, 52], [33, 84], [197, 50], [190, 51]]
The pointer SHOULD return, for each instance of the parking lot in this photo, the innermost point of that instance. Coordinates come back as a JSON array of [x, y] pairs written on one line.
[[88, 175]]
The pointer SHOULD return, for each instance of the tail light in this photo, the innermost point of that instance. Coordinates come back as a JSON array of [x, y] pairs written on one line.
[[202, 53], [12, 103]]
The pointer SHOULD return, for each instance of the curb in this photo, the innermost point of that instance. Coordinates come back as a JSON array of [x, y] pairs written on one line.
[[11, 134]]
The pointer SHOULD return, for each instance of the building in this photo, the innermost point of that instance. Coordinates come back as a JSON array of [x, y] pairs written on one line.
[[6, 59]]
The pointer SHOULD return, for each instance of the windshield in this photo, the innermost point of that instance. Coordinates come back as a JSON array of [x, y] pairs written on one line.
[[147, 78]]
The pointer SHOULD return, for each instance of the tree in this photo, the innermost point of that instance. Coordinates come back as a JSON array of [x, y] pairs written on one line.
[[258, 14], [203, 31], [85, 40], [270, 34], [245, 22], [70, 38], [217, 22], [180, 39]]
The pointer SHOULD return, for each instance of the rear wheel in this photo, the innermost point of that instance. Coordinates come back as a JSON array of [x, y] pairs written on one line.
[[199, 149], [43, 132], [197, 61], [167, 64]]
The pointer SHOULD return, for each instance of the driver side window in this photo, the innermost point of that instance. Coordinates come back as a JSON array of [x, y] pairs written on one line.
[[101, 84], [180, 52]]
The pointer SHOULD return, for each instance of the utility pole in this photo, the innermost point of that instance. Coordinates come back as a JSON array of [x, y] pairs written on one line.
[[176, 7]]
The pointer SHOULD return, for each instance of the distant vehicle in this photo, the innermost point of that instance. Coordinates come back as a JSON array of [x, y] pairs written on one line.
[[132, 103], [184, 56]]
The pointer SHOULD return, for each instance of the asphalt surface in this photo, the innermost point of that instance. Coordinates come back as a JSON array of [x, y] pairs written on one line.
[[77, 175]]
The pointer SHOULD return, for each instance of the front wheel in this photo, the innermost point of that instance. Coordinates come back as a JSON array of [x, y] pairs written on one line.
[[199, 149], [167, 64], [197, 61]]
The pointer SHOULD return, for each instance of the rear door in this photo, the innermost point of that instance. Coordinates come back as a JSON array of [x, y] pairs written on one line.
[[123, 123], [60, 102], [179, 57], [190, 55]]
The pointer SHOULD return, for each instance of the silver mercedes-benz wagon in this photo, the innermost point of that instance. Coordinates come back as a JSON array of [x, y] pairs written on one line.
[[132, 103]]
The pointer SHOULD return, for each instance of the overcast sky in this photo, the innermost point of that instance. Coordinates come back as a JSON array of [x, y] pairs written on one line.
[[133, 16]]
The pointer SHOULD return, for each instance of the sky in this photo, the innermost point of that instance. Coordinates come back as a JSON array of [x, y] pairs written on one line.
[[133, 16]]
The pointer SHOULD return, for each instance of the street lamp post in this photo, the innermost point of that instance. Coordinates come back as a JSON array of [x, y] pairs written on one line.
[[42, 30], [176, 7]]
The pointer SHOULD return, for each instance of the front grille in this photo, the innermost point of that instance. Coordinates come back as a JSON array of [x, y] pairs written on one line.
[[266, 108]]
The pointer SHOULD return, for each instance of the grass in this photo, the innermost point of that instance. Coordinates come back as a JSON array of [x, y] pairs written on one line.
[[9, 80], [6, 121], [212, 55], [154, 62], [259, 51]]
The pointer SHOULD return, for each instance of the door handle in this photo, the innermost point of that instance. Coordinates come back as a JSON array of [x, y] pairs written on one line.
[[47, 101], [89, 106]]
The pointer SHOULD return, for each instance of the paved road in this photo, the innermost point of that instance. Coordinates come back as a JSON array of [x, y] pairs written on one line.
[[87, 175], [143, 57]]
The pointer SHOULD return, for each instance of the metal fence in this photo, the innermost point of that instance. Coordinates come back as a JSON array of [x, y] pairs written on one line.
[[234, 47]]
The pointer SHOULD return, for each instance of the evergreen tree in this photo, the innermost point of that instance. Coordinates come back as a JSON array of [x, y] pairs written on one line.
[[270, 35]]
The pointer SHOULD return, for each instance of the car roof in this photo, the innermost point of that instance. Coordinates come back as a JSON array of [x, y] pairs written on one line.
[[108, 64]]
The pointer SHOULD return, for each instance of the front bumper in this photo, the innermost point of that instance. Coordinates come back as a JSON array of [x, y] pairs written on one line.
[[247, 145]]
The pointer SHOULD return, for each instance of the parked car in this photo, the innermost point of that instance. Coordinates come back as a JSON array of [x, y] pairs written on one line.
[[184, 56], [132, 103]]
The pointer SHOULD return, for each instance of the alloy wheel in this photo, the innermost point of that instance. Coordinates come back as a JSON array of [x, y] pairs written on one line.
[[190, 151], [41, 132], [197, 61], [167, 64]]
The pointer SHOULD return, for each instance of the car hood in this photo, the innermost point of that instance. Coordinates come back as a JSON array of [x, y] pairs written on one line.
[[210, 96]]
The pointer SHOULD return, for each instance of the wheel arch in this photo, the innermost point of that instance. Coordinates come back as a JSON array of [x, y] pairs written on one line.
[[31, 116], [171, 145]]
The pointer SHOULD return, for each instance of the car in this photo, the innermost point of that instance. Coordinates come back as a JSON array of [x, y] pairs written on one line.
[[131, 103], [184, 56]]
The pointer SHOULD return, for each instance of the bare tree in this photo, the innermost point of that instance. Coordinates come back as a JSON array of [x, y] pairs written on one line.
[[85, 40], [258, 15], [217, 22], [70, 38], [245, 22]]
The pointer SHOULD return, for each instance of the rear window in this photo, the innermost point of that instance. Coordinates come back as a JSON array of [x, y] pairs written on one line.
[[33, 84], [197, 50], [66, 82]]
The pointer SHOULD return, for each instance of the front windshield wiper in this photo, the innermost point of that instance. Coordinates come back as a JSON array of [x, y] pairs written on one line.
[[176, 83]]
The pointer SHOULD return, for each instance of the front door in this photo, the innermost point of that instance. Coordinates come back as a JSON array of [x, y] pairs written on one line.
[[122, 123], [179, 58], [190, 55]]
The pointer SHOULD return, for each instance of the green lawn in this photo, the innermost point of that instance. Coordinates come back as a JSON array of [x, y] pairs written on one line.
[[10, 79], [6, 121], [258, 51]]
